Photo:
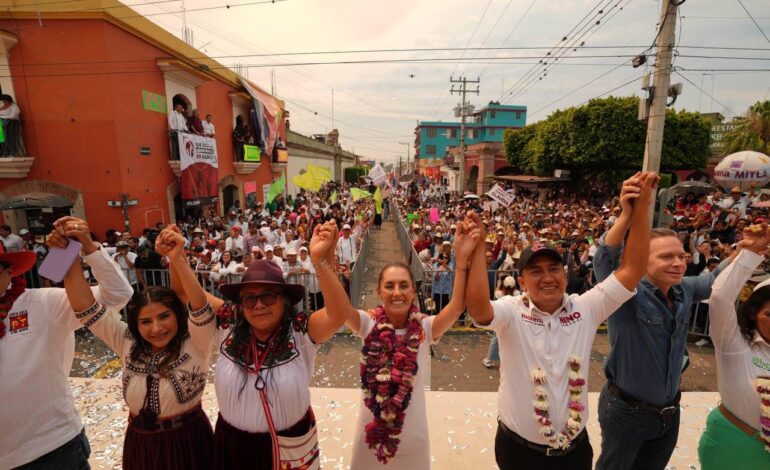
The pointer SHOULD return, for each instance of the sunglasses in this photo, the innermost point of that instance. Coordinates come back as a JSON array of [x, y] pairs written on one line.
[[267, 299]]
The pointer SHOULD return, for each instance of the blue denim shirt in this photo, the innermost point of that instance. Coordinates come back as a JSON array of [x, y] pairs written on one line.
[[647, 339]]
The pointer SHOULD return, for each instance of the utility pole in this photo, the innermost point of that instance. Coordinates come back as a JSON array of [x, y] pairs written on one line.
[[462, 90], [407, 155], [661, 84]]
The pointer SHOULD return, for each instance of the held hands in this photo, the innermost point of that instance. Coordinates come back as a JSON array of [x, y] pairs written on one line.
[[640, 187], [473, 222], [71, 227], [756, 238], [465, 242], [170, 243], [324, 242]]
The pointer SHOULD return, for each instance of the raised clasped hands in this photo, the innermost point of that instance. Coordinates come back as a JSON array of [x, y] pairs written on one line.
[[465, 241], [170, 242], [324, 242], [756, 238]]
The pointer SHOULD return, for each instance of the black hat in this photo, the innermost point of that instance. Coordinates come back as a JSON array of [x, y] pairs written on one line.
[[263, 272], [538, 248]]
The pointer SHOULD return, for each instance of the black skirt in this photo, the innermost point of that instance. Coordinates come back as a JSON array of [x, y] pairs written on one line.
[[236, 449], [185, 442]]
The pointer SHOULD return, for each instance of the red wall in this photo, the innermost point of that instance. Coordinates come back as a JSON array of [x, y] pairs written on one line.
[[85, 130]]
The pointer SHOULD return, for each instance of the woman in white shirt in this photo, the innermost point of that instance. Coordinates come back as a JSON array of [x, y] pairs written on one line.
[[224, 267], [266, 359], [392, 427], [165, 354], [738, 431]]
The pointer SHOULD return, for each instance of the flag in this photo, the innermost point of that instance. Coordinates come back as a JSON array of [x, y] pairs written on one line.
[[378, 201], [359, 193], [306, 181], [319, 173], [276, 188], [333, 197]]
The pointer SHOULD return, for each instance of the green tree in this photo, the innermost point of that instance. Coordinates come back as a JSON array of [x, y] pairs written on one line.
[[752, 131], [604, 140]]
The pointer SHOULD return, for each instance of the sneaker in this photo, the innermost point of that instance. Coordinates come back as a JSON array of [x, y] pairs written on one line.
[[487, 363]]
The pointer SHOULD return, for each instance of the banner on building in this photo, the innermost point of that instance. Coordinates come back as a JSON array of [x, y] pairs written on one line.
[[377, 174], [433, 172], [250, 190], [251, 153], [199, 169], [500, 195], [283, 156], [266, 114]]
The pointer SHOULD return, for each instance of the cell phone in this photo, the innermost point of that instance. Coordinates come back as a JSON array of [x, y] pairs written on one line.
[[59, 261]]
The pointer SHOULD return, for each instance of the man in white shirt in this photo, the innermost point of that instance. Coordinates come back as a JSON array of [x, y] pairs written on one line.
[[346, 247], [270, 256], [545, 340], [311, 284], [737, 201], [41, 426], [235, 241], [290, 243], [11, 241], [208, 126], [125, 260], [177, 120]]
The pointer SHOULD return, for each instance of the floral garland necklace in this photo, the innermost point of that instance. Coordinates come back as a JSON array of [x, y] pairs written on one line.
[[388, 370], [18, 286], [762, 385], [562, 439]]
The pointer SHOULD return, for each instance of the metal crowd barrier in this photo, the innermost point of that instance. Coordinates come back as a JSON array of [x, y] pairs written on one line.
[[407, 248], [357, 275]]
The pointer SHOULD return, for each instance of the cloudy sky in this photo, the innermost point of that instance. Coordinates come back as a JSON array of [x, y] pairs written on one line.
[[377, 104]]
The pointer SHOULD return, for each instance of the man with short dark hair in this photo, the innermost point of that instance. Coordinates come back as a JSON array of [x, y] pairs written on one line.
[[639, 406], [11, 241]]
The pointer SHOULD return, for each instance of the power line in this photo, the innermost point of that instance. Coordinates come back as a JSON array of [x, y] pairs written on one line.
[[704, 92], [470, 40], [754, 21]]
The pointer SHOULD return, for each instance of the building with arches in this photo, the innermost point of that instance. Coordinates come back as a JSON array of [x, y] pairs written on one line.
[[95, 123]]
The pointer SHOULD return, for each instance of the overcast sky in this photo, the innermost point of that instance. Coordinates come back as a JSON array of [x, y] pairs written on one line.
[[376, 105]]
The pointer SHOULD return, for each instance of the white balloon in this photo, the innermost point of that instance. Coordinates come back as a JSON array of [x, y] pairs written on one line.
[[745, 169]]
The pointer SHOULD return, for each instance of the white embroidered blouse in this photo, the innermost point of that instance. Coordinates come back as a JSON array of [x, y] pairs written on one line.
[[180, 390]]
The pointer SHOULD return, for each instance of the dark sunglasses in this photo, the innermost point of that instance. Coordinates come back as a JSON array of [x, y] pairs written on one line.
[[267, 299]]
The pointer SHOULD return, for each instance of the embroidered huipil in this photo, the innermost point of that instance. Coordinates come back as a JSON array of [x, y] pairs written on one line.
[[530, 338], [286, 380], [38, 413], [739, 361], [181, 387]]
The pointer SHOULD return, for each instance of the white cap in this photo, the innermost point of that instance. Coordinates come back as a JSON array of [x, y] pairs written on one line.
[[263, 224], [268, 248], [291, 252], [446, 242], [509, 282], [764, 283], [302, 248], [346, 227], [255, 249], [23, 231]]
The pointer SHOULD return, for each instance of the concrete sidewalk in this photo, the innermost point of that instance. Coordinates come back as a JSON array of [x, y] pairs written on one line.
[[462, 425]]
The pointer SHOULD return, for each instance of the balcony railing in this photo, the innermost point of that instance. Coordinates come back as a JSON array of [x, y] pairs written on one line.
[[14, 162]]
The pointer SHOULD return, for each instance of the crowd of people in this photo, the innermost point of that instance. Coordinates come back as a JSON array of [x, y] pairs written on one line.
[[633, 277]]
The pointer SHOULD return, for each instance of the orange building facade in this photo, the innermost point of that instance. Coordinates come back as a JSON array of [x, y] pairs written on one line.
[[94, 87]]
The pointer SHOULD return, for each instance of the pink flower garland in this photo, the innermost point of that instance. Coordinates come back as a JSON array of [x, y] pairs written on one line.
[[763, 389], [563, 439], [388, 368]]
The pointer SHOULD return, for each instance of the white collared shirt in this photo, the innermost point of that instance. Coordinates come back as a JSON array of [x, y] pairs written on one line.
[[38, 413], [531, 339], [739, 361], [346, 250]]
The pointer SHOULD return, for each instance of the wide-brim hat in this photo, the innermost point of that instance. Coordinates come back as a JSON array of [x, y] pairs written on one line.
[[20, 261], [263, 273]]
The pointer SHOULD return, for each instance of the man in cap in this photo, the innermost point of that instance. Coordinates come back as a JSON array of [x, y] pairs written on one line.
[[253, 239], [312, 287], [546, 338], [235, 241], [347, 249], [270, 256], [41, 426], [737, 201], [292, 265]]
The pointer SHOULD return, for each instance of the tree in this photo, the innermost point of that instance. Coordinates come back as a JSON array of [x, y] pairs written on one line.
[[353, 173], [604, 140], [752, 131]]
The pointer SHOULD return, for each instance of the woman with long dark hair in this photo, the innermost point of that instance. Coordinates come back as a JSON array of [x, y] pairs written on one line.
[[737, 432], [392, 427], [165, 353], [266, 356]]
